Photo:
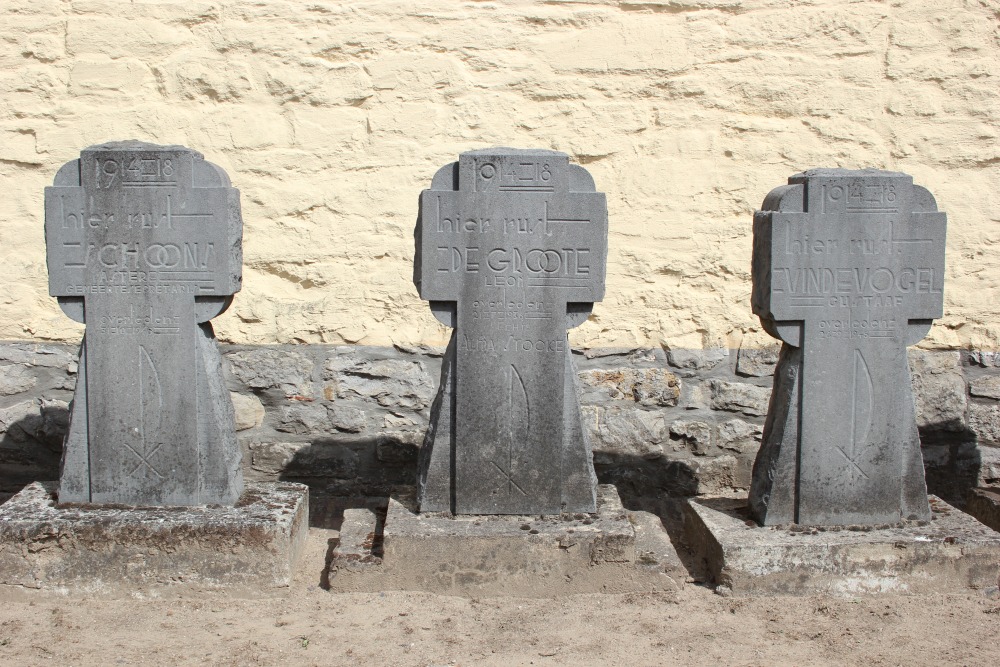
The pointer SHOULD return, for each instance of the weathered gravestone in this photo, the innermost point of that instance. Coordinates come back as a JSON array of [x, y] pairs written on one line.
[[848, 269], [511, 250], [144, 245]]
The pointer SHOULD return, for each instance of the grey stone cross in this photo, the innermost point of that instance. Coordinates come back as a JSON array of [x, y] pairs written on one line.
[[511, 251], [144, 245], [848, 269]]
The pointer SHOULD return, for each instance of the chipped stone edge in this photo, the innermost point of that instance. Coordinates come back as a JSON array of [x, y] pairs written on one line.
[[249, 550], [530, 555], [951, 553]]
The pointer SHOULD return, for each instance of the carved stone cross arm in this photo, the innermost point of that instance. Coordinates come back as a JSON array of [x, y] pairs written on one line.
[[885, 229], [184, 230]]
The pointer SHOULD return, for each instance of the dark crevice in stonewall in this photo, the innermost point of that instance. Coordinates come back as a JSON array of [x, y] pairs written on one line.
[[31, 449], [952, 463]]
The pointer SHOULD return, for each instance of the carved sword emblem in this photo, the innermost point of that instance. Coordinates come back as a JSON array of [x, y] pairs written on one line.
[[518, 428], [150, 413], [862, 406]]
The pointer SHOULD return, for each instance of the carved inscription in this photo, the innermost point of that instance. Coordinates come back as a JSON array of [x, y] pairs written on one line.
[[859, 197], [134, 171], [154, 257], [134, 323]]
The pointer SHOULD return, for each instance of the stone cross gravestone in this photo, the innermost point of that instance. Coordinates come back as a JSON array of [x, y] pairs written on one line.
[[511, 251], [144, 246], [848, 269]]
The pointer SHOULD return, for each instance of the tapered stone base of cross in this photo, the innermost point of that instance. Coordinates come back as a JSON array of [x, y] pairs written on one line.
[[435, 482], [217, 477]]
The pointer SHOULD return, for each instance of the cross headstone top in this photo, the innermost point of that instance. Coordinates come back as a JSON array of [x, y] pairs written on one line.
[[848, 269], [511, 251], [144, 246]]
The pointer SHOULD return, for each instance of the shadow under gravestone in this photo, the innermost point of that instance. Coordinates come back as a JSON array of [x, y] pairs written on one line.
[[331, 468], [31, 448], [656, 487], [346, 472]]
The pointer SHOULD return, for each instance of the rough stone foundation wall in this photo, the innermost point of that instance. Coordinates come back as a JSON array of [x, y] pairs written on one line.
[[348, 420], [332, 116]]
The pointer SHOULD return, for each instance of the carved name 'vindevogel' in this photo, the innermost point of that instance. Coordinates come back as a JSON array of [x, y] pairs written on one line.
[[511, 250], [144, 245], [848, 269]]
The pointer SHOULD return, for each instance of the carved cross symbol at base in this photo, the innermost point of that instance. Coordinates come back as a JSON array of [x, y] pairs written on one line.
[[510, 479], [854, 464], [143, 460]]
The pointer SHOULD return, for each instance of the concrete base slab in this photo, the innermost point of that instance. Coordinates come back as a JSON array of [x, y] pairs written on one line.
[[530, 556], [250, 549], [951, 553], [984, 504]]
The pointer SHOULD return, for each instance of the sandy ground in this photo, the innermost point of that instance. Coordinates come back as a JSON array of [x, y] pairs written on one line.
[[310, 626]]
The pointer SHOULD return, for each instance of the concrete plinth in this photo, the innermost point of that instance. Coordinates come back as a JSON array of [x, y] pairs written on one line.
[[950, 553], [528, 556], [249, 549], [984, 504]]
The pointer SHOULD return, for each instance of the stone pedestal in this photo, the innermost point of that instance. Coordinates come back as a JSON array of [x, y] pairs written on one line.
[[984, 504], [951, 553], [531, 556], [114, 550]]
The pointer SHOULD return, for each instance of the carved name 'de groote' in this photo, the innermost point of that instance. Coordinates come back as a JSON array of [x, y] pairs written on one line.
[[511, 248], [848, 270], [144, 245]]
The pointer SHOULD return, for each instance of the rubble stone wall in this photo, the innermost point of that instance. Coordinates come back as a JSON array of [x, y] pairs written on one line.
[[349, 420]]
